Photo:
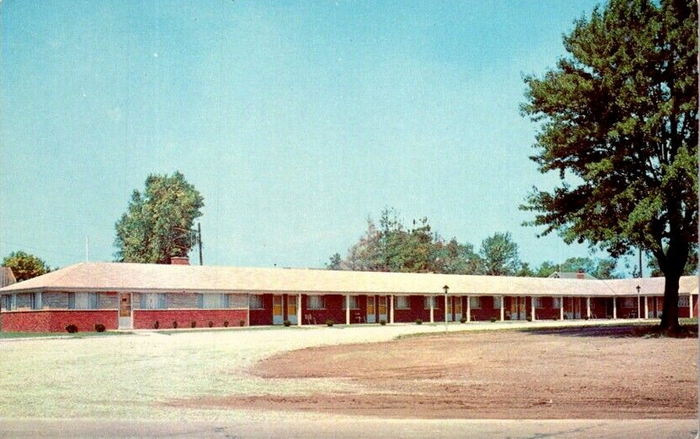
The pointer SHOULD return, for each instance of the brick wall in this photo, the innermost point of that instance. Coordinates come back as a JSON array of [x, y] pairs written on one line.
[[56, 321], [146, 318]]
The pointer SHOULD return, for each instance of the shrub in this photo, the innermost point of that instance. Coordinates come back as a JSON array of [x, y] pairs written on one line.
[[287, 323], [211, 324], [100, 327], [330, 322], [225, 323], [493, 319], [463, 320], [382, 322], [529, 319], [241, 322], [175, 325], [72, 329], [419, 322], [193, 324], [156, 325]]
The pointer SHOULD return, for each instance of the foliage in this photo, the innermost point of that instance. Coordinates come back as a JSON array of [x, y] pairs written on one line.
[[499, 255], [618, 115], [99, 327], [158, 222], [71, 329], [25, 265], [690, 269]]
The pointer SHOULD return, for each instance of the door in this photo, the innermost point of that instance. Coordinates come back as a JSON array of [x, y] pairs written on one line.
[[292, 309], [371, 317], [449, 308], [277, 317], [513, 308], [458, 309], [125, 317], [382, 308]]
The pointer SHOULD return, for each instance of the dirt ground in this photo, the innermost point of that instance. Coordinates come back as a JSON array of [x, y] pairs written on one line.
[[583, 373]]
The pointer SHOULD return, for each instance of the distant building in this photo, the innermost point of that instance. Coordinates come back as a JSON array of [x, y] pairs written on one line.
[[571, 275], [7, 277]]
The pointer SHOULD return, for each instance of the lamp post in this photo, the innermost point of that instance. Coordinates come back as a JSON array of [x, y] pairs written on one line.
[[446, 289], [639, 311]]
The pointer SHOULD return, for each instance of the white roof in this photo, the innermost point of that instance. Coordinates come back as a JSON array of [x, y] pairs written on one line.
[[114, 276]]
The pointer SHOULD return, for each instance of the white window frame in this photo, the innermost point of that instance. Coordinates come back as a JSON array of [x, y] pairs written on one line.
[[255, 301], [212, 301], [153, 301], [475, 302], [497, 300], [556, 302], [405, 305], [426, 302], [320, 302], [353, 302], [36, 302], [538, 302], [83, 301]]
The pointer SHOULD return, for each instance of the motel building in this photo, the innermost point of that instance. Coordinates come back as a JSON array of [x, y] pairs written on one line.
[[151, 296]]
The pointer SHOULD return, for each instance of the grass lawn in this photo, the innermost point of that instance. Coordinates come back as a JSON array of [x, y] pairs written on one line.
[[5, 335]]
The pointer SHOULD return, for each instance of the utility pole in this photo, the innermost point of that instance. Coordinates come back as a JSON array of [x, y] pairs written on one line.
[[640, 262], [199, 241]]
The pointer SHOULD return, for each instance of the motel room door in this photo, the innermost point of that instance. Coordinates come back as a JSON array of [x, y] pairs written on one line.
[[371, 317], [292, 309], [458, 308], [382, 308], [125, 317], [277, 317]]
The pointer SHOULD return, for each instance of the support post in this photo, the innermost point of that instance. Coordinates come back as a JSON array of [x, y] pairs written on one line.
[[646, 307], [391, 309], [469, 309], [445, 313], [432, 309], [503, 310], [532, 305], [347, 309], [588, 307], [561, 307], [690, 302], [299, 309], [614, 307]]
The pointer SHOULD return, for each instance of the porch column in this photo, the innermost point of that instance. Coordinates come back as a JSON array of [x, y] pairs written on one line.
[[588, 307], [391, 309], [299, 309], [646, 307], [690, 302], [432, 309], [469, 309], [532, 305], [561, 307], [503, 310], [614, 307], [347, 309]]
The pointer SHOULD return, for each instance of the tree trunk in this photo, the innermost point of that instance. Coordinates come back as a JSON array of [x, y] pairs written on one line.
[[669, 318]]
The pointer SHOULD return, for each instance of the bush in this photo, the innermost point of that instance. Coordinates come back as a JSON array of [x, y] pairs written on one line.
[[287, 323], [241, 323], [100, 327], [529, 319], [330, 322], [72, 329], [463, 320], [193, 324], [156, 325], [419, 322], [175, 325], [382, 322], [493, 319], [211, 324], [225, 323]]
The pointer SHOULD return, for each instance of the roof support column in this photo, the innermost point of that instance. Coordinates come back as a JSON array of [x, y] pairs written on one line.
[[469, 309], [588, 307], [614, 307], [561, 307], [391, 309], [503, 310], [347, 309], [690, 309], [432, 308], [532, 305], [299, 309], [646, 307]]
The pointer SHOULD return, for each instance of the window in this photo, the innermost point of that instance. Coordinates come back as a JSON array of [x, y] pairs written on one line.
[[402, 302], [255, 302], [212, 301], [538, 302], [153, 301], [556, 302], [353, 302], [427, 299], [36, 300], [9, 302], [314, 302], [236, 301], [683, 302], [83, 300], [475, 302], [631, 302], [497, 300]]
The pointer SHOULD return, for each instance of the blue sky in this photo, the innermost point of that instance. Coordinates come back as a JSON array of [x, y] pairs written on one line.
[[295, 120]]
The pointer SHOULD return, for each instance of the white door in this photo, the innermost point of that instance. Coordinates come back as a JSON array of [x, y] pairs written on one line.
[[125, 314], [292, 309], [382, 308], [277, 317], [371, 316]]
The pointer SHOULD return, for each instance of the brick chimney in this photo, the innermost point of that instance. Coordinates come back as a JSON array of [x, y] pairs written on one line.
[[179, 260], [580, 274]]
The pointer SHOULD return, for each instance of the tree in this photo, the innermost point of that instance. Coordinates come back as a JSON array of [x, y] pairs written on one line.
[[335, 262], [158, 222], [619, 114], [24, 265], [499, 255], [690, 269], [546, 269], [453, 257]]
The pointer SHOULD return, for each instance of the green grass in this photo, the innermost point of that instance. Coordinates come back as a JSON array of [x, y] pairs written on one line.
[[7, 335]]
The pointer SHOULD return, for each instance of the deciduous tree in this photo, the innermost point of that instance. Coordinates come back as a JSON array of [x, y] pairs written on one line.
[[25, 265]]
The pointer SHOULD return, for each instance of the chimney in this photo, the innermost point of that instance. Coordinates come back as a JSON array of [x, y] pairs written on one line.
[[580, 274], [179, 260]]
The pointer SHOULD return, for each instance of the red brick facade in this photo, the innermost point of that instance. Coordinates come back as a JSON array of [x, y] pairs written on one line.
[[57, 320], [166, 318]]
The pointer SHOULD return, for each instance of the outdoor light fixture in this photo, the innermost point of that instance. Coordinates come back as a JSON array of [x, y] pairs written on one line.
[[446, 289], [639, 311]]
